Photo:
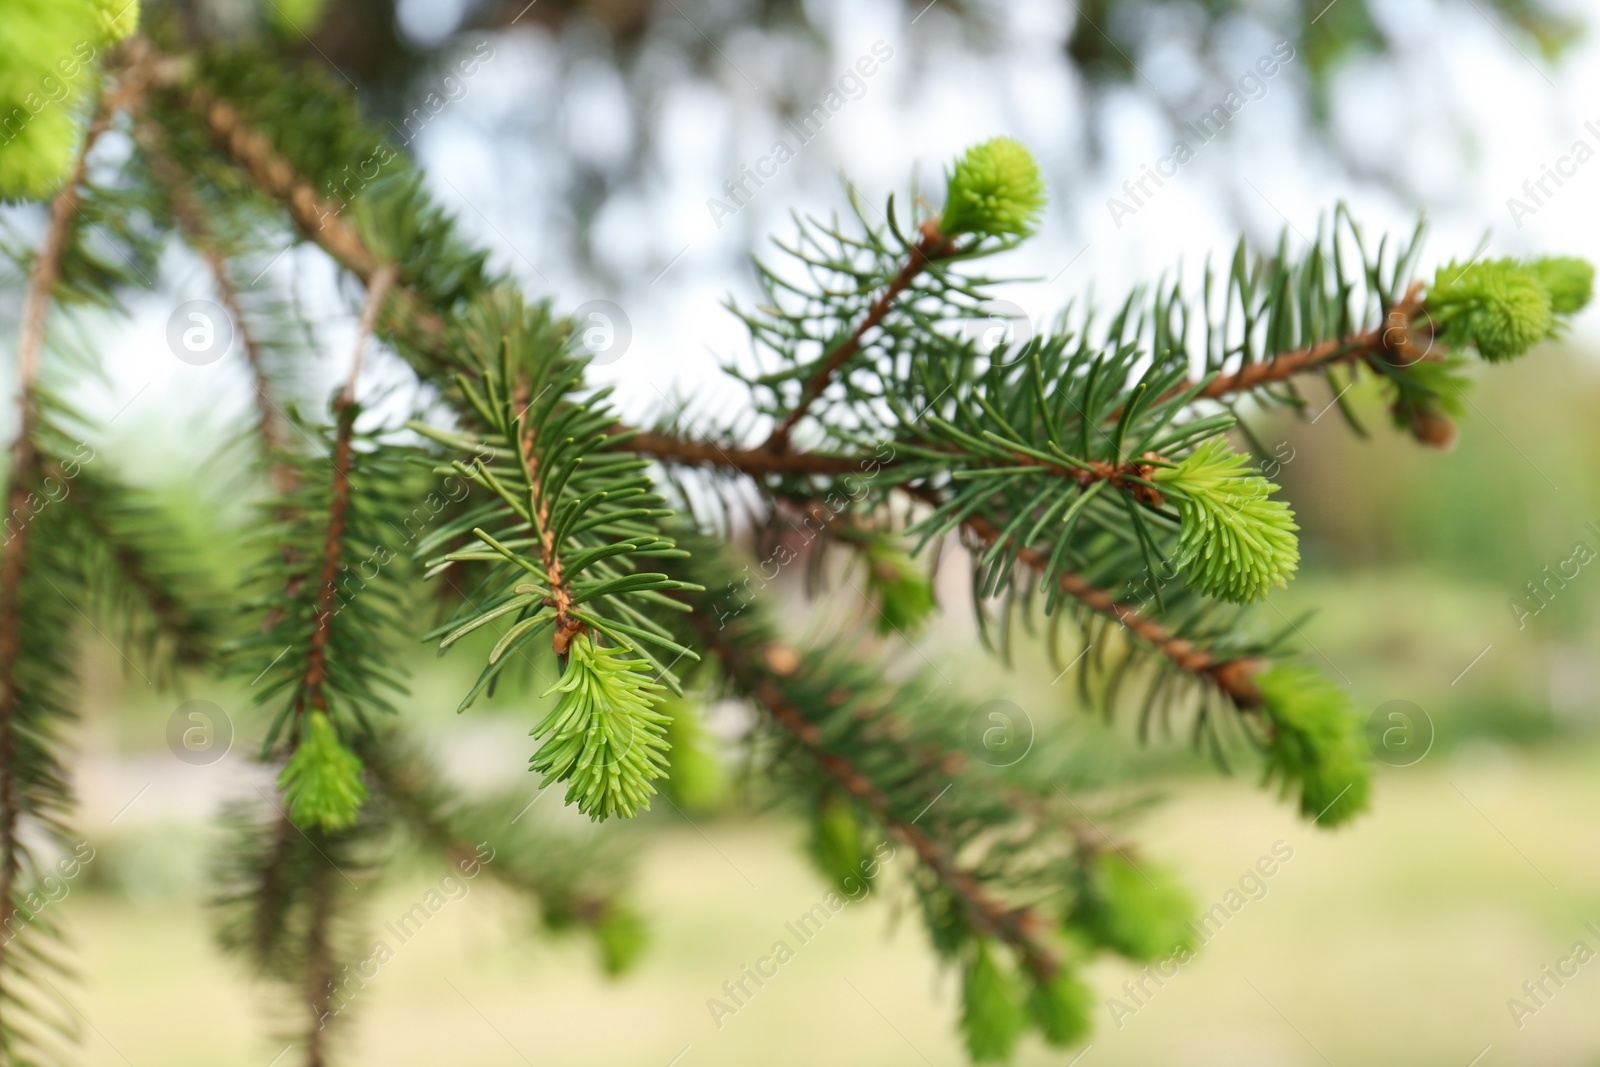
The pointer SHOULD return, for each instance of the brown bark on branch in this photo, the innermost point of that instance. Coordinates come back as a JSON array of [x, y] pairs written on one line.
[[1021, 928]]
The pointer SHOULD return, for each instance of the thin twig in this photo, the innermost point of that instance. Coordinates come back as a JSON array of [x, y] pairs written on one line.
[[930, 247]]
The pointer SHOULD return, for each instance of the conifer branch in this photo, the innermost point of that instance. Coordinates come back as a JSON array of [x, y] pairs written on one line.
[[122, 534], [1390, 340], [316, 217], [1232, 676], [198, 233], [21, 479], [932, 246], [311, 692], [1018, 927]]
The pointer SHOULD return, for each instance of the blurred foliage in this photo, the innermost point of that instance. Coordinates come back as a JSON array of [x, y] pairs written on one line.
[[770, 60]]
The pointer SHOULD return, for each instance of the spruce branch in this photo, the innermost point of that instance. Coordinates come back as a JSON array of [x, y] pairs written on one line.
[[322, 779], [930, 247], [993, 191], [1018, 927], [28, 783], [1232, 675], [131, 561], [199, 234]]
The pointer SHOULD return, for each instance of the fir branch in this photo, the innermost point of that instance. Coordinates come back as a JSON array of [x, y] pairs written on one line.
[[1391, 341], [756, 462], [317, 218], [131, 564]]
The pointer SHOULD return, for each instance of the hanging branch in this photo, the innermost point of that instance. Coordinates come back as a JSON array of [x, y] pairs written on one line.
[[22, 478], [1018, 927], [197, 232]]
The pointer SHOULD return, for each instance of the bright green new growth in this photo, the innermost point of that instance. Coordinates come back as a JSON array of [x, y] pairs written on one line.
[[993, 190], [47, 49], [1138, 911], [698, 781], [607, 740], [901, 590], [1498, 306], [322, 780], [118, 18], [993, 1013], [298, 16], [1569, 281], [1235, 542], [837, 845], [1317, 741], [1061, 1009], [622, 938]]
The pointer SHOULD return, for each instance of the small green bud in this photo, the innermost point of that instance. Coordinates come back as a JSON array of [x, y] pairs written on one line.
[[901, 590], [1568, 279], [1318, 740], [1234, 542], [298, 16], [1499, 306], [43, 75], [1061, 1009], [698, 781], [995, 189], [322, 780], [117, 18], [836, 843], [993, 1015], [35, 162], [622, 937], [606, 738], [1137, 911]]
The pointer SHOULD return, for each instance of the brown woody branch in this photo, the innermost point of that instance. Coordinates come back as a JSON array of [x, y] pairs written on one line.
[[1391, 340], [316, 672], [932, 246], [1021, 928], [1232, 676]]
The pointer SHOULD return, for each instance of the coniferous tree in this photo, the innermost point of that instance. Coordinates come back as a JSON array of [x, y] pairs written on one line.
[[1099, 474]]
